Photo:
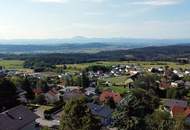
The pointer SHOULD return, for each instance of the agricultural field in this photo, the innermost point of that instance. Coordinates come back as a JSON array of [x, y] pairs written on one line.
[[12, 64]]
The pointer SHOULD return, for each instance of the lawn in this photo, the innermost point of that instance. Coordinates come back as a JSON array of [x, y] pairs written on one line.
[[117, 80], [120, 89], [44, 107], [117, 89], [12, 64]]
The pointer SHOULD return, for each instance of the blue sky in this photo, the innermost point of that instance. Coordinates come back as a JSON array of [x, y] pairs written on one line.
[[39, 19]]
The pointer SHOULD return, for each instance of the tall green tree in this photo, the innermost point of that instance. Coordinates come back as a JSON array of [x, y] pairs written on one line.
[[8, 96], [111, 103], [160, 120], [133, 108], [77, 116], [148, 83], [27, 86], [42, 84], [84, 80]]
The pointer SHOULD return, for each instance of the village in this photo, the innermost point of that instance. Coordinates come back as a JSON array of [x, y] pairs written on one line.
[[104, 87]]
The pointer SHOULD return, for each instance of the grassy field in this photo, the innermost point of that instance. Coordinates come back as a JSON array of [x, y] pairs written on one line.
[[117, 84], [120, 90], [12, 64], [117, 89], [117, 80], [18, 64]]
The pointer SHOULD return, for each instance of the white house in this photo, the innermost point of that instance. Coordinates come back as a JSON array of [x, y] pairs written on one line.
[[69, 89], [90, 91]]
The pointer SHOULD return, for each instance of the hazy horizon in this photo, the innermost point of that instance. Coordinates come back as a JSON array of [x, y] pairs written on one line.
[[90, 40]]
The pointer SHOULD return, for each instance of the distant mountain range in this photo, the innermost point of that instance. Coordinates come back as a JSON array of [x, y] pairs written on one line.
[[82, 45], [81, 40]]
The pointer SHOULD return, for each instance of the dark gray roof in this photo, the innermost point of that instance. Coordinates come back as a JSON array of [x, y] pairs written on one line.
[[71, 95], [187, 83], [20, 90], [100, 110], [16, 118], [172, 102]]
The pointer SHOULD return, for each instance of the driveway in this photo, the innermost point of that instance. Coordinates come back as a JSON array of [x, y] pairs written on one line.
[[49, 123]]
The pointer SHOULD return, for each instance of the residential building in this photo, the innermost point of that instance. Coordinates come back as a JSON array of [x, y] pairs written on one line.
[[106, 95], [102, 111], [18, 118]]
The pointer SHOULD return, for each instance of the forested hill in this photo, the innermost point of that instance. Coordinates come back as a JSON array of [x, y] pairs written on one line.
[[148, 53], [160, 53], [80, 45]]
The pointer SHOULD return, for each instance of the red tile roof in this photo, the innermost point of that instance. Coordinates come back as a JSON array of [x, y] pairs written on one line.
[[104, 97], [37, 91], [180, 111], [53, 92], [165, 85]]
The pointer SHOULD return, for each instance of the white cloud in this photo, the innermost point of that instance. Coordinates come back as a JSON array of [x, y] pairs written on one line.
[[64, 1], [51, 1], [94, 13], [157, 2], [96, 1]]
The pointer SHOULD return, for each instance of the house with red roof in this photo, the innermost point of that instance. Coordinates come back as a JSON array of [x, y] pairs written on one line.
[[183, 113], [164, 85], [178, 111], [106, 95], [37, 91]]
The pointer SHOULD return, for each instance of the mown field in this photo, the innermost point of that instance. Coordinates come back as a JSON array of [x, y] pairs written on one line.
[[13, 64], [120, 80]]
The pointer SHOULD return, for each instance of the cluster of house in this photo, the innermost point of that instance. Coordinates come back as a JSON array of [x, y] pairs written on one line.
[[116, 70], [171, 78], [10, 72], [97, 106], [125, 69], [23, 119]]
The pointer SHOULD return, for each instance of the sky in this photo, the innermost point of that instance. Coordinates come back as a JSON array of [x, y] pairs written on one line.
[[45, 19]]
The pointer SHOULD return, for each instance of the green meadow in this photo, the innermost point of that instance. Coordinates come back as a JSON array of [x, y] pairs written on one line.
[[12, 64]]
